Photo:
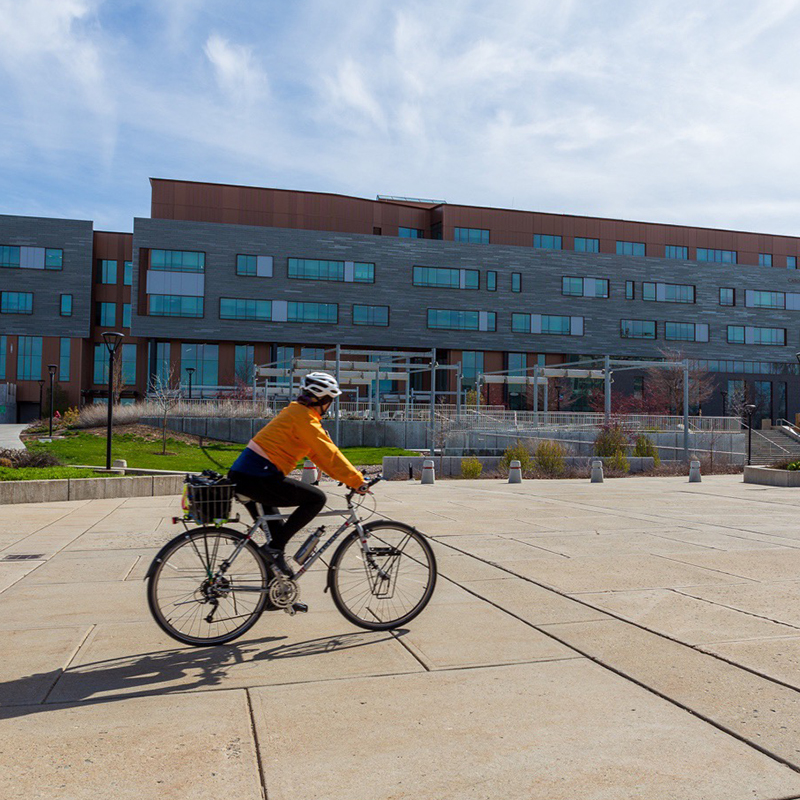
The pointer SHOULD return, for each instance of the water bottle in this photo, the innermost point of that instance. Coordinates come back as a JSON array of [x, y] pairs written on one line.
[[307, 548]]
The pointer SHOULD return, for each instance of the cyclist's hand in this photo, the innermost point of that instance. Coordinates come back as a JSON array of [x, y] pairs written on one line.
[[363, 489]]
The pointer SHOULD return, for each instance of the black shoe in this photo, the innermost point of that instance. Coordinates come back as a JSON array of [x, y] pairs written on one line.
[[278, 558]]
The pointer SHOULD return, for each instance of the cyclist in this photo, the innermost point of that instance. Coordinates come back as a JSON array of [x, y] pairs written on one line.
[[260, 470]]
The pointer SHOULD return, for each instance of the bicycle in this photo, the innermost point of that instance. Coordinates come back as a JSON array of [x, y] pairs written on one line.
[[211, 584]]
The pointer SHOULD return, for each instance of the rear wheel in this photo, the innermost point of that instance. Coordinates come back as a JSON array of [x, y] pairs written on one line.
[[193, 601], [389, 584]]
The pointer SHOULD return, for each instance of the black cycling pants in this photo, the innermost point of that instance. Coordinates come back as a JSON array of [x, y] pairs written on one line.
[[275, 493]]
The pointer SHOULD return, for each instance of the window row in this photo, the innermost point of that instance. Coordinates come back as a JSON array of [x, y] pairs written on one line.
[[21, 257], [107, 271]]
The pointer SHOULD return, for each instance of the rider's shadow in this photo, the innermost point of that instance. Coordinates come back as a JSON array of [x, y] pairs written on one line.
[[164, 672]]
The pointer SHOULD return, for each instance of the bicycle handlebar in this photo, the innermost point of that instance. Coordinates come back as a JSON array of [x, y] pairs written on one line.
[[370, 484]]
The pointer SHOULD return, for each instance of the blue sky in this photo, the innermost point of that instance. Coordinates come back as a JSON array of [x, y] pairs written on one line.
[[676, 111]]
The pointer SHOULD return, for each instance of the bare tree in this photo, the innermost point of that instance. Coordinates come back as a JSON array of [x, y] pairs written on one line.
[[663, 386], [119, 379], [166, 398]]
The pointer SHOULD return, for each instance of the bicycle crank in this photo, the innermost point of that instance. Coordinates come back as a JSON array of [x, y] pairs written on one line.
[[283, 592]]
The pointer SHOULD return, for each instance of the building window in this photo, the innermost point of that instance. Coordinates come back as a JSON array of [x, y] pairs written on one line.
[[128, 364], [630, 248], [9, 256], [727, 297], [572, 287], [521, 323], [177, 261], [679, 331], [555, 325], [311, 269], [159, 365], [791, 262], [63, 360], [516, 282], [126, 315], [765, 259], [240, 308], [327, 313], [717, 256], [246, 265], [283, 360], [410, 233], [584, 287], [629, 290], [244, 363], [735, 334], [53, 258], [471, 367], [127, 273], [471, 235], [446, 278], [583, 245], [740, 334], [676, 251], [371, 315], [758, 299], [204, 358], [106, 314], [668, 292], [461, 320], [29, 358], [168, 305], [2, 357], [491, 281], [107, 271], [637, 329], [436, 230], [16, 302], [546, 241], [638, 387], [66, 305]]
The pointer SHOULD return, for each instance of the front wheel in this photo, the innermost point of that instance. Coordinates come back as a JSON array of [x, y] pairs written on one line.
[[197, 602], [387, 584]]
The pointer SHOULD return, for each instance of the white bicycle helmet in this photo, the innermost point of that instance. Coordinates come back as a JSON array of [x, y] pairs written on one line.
[[320, 385]]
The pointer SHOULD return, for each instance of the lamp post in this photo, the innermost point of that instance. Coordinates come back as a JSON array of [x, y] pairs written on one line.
[[190, 370], [41, 397], [51, 368], [113, 341], [749, 408]]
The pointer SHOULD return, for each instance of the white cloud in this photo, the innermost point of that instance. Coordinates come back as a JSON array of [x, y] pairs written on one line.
[[238, 75]]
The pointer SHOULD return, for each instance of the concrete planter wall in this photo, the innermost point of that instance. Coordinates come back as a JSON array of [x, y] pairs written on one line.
[[767, 476], [450, 466], [89, 488]]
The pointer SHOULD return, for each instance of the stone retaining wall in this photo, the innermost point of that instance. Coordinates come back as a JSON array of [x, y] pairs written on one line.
[[766, 476], [53, 491]]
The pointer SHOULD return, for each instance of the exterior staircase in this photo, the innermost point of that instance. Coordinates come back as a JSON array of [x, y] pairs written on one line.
[[772, 446]]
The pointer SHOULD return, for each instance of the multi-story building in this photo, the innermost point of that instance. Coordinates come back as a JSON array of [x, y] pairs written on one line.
[[223, 277]]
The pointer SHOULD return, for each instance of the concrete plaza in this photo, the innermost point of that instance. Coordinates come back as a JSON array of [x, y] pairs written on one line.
[[633, 639]]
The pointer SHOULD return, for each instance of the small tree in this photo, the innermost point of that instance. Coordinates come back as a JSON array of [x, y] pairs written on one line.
[[166, 398], [119, 378], [664, 386]]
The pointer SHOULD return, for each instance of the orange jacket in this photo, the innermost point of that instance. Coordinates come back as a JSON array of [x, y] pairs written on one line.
[[298, 433]]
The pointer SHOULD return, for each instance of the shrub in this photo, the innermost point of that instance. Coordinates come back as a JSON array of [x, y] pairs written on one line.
[[29, 458], [549, 458], [5, 462], [70, 417], [644, 448], [610, 439], [471, 468], [618, 462], [515, 452]]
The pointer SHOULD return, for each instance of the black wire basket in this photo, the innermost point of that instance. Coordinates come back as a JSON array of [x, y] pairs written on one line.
[[207, 502]]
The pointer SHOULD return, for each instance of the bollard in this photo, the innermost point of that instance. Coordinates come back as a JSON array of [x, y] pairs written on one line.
[[515, 472], [309, 473], [410, 472], [694, 472], [428, 472], [597, 471], [120, 463]]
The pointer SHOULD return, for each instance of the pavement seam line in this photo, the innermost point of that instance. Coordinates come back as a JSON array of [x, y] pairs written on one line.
[[70, 660], [396, 636], [38, 530], [738, 610], [254, 732]]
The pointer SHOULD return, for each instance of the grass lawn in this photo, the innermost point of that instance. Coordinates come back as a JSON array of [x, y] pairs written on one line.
[[44, 473], [85, 448]]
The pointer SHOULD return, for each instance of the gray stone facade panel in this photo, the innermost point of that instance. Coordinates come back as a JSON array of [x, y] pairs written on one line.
[[75, 238], [394, 259]]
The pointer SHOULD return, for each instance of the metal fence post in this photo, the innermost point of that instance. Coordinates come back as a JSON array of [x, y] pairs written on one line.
[[336, 401], [607, 384], [433, 401], [686, 409]]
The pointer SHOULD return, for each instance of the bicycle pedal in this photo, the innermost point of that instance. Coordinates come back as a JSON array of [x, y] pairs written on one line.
[[296, 608]]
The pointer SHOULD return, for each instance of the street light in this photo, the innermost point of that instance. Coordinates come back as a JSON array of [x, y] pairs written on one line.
[[190, 370], [41, 397], [51, 368], [749, 408], [113, 340]]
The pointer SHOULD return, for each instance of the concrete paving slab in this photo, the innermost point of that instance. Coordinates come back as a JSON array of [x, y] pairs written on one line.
[[763, 565], [13, 572], [466, 568], [748, 705], [717, 538], [77, 568], [477, 635], [779, 601], [686, 618], [139, 659], [491, 548], [551, 731], [192, 747], [776, 658], [33, 660]]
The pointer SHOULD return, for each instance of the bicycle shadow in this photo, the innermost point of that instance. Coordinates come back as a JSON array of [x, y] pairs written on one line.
[[161, 673]]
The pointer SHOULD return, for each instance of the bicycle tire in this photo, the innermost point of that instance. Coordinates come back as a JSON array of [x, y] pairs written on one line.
[[375, 603], [167, 593]]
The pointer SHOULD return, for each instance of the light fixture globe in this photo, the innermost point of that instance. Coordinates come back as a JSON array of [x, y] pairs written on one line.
[[113, 340]]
